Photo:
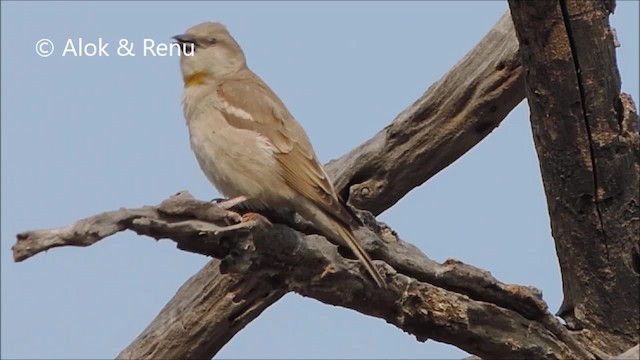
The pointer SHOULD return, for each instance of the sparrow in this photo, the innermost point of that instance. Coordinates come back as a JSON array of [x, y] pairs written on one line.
[[249, 145]]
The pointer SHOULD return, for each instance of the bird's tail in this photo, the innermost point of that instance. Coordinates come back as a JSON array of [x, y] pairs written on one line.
[[362, 255]]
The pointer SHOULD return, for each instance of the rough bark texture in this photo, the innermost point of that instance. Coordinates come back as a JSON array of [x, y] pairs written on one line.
[[586, 137], [206, 311], [453, 115], [452, 302], [180, 324]]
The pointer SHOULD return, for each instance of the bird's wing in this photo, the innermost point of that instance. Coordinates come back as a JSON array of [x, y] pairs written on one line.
[[251, 105]]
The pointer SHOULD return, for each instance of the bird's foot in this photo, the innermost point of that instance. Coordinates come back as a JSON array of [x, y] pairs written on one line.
[[229, 203], [232, 217], [250, 216]]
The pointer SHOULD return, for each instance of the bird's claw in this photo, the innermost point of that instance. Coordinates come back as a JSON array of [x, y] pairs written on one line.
[[250, 216], [229, 203], [234, 217]]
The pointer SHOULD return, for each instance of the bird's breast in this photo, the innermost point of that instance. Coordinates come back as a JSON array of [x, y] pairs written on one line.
[[237, 161]]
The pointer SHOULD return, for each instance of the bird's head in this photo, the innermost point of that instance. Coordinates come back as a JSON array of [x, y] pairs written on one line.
[[208, 51]]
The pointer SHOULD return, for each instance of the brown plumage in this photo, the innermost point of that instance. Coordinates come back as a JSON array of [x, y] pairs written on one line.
[[247, 142]]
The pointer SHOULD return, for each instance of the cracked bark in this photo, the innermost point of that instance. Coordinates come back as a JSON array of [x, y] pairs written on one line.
[[451, 302], [586, 137]]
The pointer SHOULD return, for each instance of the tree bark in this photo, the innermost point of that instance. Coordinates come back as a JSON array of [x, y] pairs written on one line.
[[452, 116], [451, 302], [586, 137]]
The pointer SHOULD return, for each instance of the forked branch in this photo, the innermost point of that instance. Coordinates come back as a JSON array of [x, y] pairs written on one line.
[[452, 302]]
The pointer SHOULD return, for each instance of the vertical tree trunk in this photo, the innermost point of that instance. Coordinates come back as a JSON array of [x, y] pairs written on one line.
[[586, 137]]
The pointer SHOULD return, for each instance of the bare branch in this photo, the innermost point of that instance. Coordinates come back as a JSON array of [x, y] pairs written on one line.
[[93, 229], [453, 115], [202, 320], [454, 302]]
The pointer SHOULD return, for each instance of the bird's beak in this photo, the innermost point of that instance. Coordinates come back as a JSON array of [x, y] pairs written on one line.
[[184, 39]]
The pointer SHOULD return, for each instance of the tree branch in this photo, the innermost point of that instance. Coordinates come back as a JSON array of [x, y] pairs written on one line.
[[586, 137], [454, 302], [453, 115]]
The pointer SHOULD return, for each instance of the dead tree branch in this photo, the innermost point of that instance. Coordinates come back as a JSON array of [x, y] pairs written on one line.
[[452, 116], [586, 137], [453, 302]]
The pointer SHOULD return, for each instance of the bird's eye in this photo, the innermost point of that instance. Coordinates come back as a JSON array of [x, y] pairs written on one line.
[[211, 41]]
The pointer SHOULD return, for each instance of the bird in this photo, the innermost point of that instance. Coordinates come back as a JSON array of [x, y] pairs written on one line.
[[249, 145]]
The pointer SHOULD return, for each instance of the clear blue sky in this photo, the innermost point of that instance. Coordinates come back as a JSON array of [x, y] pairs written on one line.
[[86, 135]]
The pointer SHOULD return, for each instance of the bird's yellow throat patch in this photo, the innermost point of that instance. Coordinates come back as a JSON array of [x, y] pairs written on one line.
[[194, 79]]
